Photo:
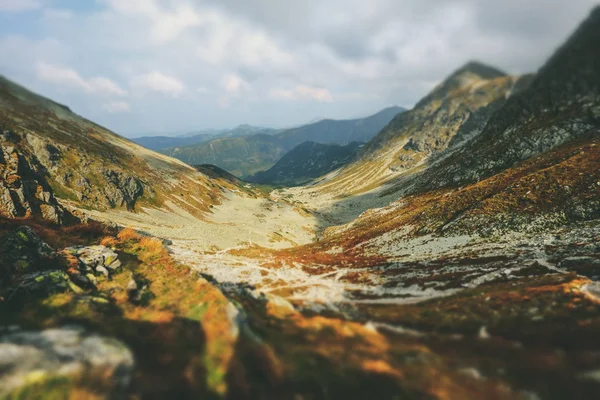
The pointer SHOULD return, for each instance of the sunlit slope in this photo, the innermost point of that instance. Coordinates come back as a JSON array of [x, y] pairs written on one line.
[[85, 164]]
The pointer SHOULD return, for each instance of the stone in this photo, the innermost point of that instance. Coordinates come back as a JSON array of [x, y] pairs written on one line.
[[68, 352], [41, 284], [23, 251], [102, 270], [114, 265], [95, 257]]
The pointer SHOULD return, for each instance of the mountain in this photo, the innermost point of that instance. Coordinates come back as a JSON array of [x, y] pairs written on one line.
[[456, 110], [49, 154], [532, 164], [558, 106], [305, 162], [191, 138], [243, 156]]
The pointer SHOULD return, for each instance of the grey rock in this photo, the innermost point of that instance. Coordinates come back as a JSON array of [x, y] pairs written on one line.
[[114, 265], [67, 352], [102, 270]]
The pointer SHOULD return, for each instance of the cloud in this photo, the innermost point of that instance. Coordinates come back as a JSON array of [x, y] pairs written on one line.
[[117, 107], [158, 82], [70, 78], [19, 5], [338, 58], [233, 84], [302, 92]]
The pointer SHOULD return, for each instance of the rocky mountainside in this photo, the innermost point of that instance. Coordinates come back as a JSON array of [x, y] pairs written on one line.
[[559, 105], [50, 153], [306, 162], [453, 112], [244, 156], [192, 138]]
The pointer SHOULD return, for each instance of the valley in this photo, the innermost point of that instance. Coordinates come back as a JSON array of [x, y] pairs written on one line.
[[454, 255]]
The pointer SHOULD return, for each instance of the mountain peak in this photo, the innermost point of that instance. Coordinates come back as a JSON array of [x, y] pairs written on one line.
[[480, 69], [465, 75]]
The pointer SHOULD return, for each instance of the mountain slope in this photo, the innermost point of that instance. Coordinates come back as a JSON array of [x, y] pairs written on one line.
[[188, 139], [534, 166], [49, 152], [305, 162], [250, 154], [454, 111], [560, 105]]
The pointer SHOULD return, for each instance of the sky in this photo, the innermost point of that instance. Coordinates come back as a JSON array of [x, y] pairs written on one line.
[[144, 67]]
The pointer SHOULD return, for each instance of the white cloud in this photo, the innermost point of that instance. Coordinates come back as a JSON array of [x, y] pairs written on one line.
[[303, 92], [158, 82], [234, 84], [19, 5], [105, 85], [71, 78], [166, 23], [117, 107]]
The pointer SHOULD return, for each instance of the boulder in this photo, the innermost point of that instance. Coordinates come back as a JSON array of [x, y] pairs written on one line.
[[23, 251], [99, 259], [65, 354]]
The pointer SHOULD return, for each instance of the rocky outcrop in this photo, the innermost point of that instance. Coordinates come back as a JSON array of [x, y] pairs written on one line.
[[28, 265], [24, 188], [122, 190], [95, 259], [23, 252], [67, 355]]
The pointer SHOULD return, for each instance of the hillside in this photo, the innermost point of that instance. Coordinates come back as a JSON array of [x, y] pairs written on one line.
[[306, 162], [51, 153], [453, 112], [247, 155], [188, 139]]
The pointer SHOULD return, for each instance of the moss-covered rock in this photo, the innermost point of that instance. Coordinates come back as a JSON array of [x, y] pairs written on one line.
[[22, 252]]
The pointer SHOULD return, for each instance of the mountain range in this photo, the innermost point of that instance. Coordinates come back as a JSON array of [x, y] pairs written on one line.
[[246, 155], [306, 162], [454, 254], [191, 138]]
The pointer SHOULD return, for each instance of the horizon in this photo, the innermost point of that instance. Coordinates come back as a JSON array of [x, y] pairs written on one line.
[[168, 66]]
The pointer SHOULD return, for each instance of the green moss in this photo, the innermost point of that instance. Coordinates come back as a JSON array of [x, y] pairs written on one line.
[[22, 265], [23, 236], [40, 386]]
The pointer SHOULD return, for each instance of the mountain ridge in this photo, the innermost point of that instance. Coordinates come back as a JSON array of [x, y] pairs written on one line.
[[247, 155]]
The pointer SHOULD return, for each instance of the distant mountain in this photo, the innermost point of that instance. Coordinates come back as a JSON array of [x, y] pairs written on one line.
[[191, 138], [244, 156], [305, 162]]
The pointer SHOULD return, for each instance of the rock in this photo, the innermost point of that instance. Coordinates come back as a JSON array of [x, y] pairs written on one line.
[[23, 251], [132, 286], [41, 284], [69, 353], [114, 265], [101, 269], [585, 265], [86, 282], [96, 257], [24, 189], [483, 333]]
